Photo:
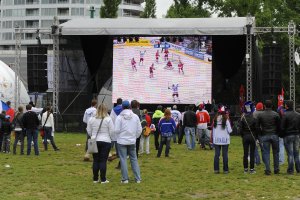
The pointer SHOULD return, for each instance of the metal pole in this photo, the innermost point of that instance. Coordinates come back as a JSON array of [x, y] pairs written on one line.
[[249, 39], [92, 11], [292, 32], [17, 66], [55, 36]]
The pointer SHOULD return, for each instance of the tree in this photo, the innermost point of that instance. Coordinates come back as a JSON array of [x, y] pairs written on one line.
[[150, 9], [110, 9], [188, 9]]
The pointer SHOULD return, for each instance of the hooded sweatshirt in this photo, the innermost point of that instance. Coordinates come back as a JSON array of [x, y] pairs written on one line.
[[115, 112], [90, 112], [127, 127]]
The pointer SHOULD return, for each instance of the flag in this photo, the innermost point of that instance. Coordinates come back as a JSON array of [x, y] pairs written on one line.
[[280, 98], [3, 106]]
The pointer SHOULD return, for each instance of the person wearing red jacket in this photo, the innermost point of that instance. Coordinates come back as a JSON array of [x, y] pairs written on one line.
[[203, 119]]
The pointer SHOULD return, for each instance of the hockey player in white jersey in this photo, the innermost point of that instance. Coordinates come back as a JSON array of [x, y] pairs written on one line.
[[142, 54], [175, 94]]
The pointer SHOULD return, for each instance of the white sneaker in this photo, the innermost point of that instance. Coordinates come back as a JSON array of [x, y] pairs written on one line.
[[125, 181], [138, 181], [95, 181], [103, 182]]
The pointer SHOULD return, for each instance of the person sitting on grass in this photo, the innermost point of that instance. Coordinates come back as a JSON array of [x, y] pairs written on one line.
[[167, 127]]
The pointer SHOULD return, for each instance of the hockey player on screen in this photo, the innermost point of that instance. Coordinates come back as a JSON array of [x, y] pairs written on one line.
[[175, 95], [142, 54], [169, 65], [151, 68], [180, 67], [133, 64], [157, 56], [166, 54]]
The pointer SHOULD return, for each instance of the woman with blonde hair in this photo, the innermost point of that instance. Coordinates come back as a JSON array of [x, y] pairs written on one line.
[[167, 127], [101, 127]]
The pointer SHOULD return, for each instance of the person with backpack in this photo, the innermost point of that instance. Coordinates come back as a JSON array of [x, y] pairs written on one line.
[[19, 130], [145, 137], [158, 114], [6, 130], [167, 126]]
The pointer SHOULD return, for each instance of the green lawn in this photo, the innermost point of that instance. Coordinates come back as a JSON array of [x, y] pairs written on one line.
[[184, 175]]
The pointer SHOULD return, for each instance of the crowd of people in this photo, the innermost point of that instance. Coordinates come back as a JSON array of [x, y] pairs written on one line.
[[20, 125], [259, 126]]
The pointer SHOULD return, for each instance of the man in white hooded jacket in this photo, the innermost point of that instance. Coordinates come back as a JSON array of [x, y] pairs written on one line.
[[127, 129]]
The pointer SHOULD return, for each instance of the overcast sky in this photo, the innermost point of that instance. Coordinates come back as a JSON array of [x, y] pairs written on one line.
[[162, 6]]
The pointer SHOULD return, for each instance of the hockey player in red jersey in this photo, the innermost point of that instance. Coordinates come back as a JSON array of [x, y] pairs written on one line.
[[133, 64], [166, 54], [169, 65], [151, 68], [180, 67], [157, 56]]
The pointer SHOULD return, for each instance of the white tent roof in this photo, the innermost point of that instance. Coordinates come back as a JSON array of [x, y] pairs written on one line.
[[166, 26]]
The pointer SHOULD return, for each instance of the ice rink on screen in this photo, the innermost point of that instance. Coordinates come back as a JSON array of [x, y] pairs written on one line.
[[194, 84]]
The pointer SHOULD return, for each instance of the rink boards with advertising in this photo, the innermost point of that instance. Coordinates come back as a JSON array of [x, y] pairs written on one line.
[[194, 81]]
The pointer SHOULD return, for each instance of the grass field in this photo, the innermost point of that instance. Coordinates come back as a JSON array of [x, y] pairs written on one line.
[[184, 175]]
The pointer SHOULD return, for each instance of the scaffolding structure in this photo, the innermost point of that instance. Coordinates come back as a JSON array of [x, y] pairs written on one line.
[[249, 30]]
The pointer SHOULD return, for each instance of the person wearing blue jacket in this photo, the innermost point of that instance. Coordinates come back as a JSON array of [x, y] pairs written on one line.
[[166, 127]]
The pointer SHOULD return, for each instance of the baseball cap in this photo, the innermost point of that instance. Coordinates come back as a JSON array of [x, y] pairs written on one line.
[[259, 106], [125, 104]]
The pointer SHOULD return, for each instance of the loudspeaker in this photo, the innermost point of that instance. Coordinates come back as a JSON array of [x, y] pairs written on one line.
[[271, 71], [37, 68]]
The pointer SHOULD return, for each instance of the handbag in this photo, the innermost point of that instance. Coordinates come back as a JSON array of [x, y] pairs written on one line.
[[92, 142], [42, 131]]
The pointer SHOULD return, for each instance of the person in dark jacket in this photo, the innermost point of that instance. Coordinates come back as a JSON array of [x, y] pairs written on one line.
[[290, 125], [158, 114], [166, 127], [135, 109], [190, 123], [247, 131], [6, 129], [268, 127], [19, 130], [2, 119], [30, 123]]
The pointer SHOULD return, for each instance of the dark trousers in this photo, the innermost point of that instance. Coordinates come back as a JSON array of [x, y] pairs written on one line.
[[266, 142], [224, 155], [166, 141], [137, 145], [156, 137], [6, 143], [248, 143], [100, 160], [181, 134], [1, 141], [19, 136], [48, 135]]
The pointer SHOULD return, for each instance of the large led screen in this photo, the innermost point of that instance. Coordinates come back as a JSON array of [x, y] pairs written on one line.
[[163, 70]]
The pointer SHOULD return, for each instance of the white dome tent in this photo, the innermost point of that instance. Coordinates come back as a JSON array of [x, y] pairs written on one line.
[[7, 86]]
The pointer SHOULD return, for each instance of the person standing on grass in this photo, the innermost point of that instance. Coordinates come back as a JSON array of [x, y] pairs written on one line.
[[90, 112], [190, 123], [127, 129], [221, 139], [2, 119], [135, 105], [6, 129], [113, 115], [203, 119], [268, 127], [176, 115], [48, 125], [19, 130], [167, 127], [31, 123], [247, 131], [145, 139], [158, 114], [290, 126], [101, 127]]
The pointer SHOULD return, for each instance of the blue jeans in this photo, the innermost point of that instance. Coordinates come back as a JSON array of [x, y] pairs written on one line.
[[130, 150], [204, 137], [32, 135], [48, 135], [266, 141], [190, 137], [217, 157], [257, 156], [291, 143], [281, 151], [100, 161]]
